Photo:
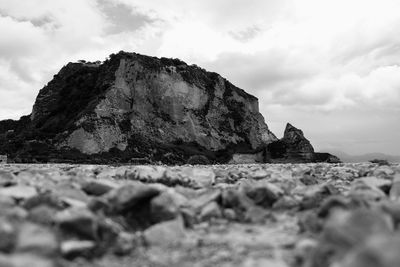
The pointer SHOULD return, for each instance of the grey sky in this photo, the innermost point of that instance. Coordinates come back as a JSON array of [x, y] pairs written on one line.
[[331, 68]]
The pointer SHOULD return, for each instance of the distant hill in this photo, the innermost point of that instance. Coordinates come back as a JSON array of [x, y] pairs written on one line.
[[364, 157]]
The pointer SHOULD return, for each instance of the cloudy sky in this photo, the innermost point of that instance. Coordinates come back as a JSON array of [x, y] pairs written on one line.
[[330, 67]]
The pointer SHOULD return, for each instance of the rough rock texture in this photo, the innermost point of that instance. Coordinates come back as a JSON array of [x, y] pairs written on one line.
[[161, 100], [250, 215], [292, 147], [141, 109]]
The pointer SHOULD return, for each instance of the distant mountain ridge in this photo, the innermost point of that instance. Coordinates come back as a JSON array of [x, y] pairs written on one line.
[[345, 157]]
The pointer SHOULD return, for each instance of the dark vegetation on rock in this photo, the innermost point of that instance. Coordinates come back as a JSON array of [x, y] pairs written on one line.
[[69, 101]]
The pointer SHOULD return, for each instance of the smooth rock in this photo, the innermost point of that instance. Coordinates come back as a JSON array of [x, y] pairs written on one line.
[[263, 195], [211, 210], [344, 230], [198, 202], [7, 178], [8, 236], [78, 248], [126, 197], [379, 251], [26, 259], [98, 187], [48, 199], [164, 207], [77, 222], [125, 243], [42, 214], [314, 195], [256, 215], [147, 173], [165, 234], [19, 192], [394, 192], [36, 239], [199, 177], [363, 190]]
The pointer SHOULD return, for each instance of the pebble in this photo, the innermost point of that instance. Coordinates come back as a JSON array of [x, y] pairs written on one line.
[[77, 248], [165, 234], [211, 210], [164, 207], [36, 239], [18, 192], [126, 197]]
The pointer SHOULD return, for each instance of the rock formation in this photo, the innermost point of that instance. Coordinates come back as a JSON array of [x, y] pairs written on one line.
[[145, 108], [295, 147]]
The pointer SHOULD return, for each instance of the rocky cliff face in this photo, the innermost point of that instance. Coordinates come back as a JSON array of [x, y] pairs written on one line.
[[133, 103]]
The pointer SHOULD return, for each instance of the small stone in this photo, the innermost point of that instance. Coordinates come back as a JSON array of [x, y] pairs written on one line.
[[393, 209], [333, 202], [303, 251], [68, 192], [211, 210], [7, 179], [7, 236], [78, 248], [263, 195], [126, 197], [98, 187], [347, 229], [384, 171], [380, 250], [394, 192], [198, 202], [309, 222], [188, 216], [309, 179], [14, 213], [48, 199], [230, 214], [19, 192], [199, 177], [26, 259], [259, 174], [165, 234], [42, 214], [147, 173], [79, 222], [236, 200], [256, 215], [362, 190], [285, 203], [164, 207], [382, 184], [125, 243], [316, 194], [36, 239]]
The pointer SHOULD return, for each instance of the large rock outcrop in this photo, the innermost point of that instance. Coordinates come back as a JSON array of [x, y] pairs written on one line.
[[139, 106]]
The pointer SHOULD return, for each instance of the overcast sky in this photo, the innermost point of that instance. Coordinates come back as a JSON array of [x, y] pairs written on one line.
[[330, 67]]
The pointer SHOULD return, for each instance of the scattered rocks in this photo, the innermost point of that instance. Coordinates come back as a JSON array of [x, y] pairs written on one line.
[[306, 214]]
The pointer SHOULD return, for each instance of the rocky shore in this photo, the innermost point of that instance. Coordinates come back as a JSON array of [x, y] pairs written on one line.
[[301, 215]]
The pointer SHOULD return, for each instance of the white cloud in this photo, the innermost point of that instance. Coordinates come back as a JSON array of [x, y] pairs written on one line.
[[311, 62]]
